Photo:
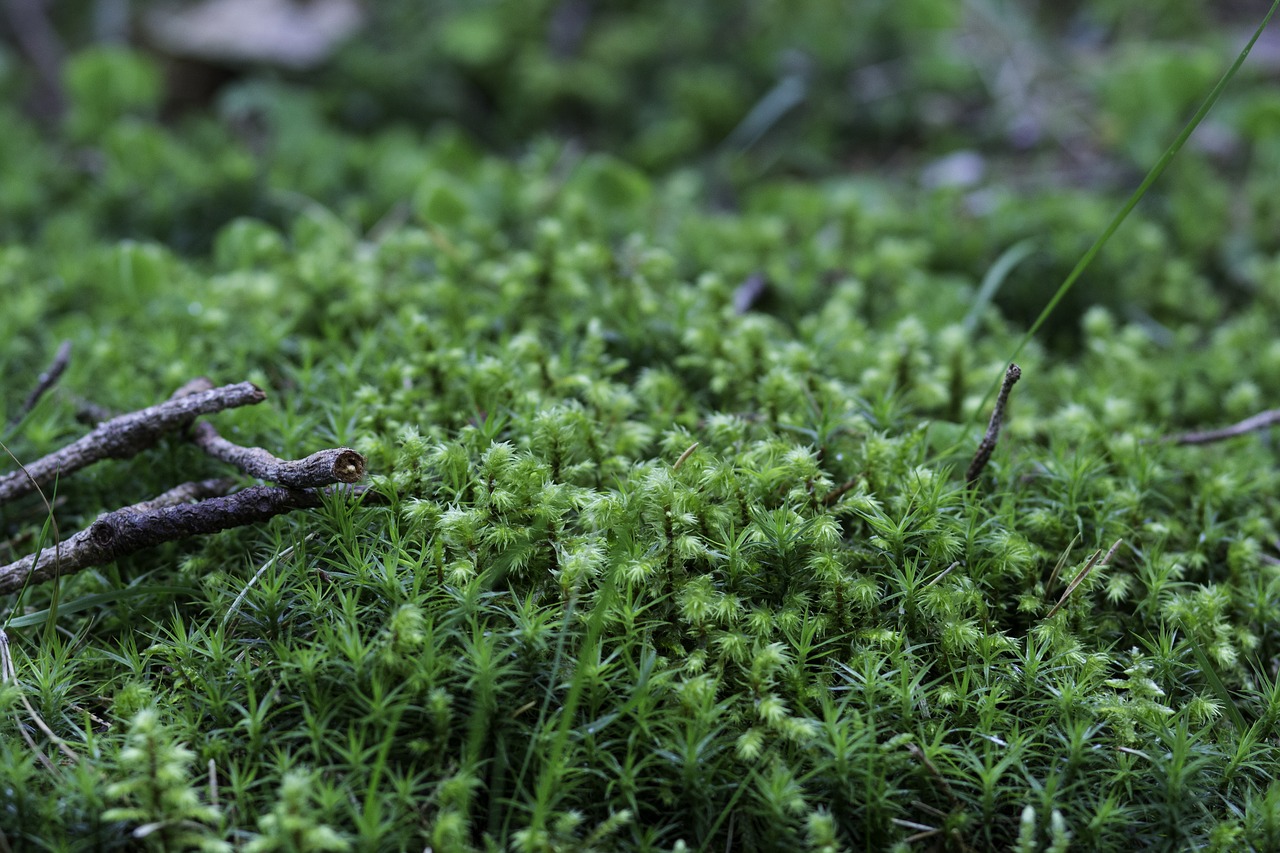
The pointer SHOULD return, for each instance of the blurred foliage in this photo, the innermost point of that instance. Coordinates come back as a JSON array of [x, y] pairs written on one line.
[[658, 81]]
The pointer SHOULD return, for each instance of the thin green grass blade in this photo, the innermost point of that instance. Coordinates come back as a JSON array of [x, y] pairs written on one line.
[[89, 602], [1123, 213], [995, 277], [56, 597], [1219, 689]]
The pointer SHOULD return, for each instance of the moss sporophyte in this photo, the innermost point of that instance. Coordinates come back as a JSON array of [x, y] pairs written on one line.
[[673, 534]]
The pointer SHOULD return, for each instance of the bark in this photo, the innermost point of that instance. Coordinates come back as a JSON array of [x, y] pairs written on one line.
[[337, 465], [125, 436], [134, 528]]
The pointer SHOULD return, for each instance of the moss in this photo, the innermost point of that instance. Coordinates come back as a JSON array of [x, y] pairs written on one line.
[[655, 565]]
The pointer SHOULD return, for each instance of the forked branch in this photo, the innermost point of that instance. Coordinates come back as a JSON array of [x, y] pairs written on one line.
[[127, 435]]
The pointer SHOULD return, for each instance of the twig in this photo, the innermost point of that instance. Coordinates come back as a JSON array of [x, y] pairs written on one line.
[[920, 756], [835, 494], [9, 674], [942, 574], [45, 381], [91, 414], [339, 465], [988, 445], [126, 436], [1262, 420], [235, 605], [126, 531]]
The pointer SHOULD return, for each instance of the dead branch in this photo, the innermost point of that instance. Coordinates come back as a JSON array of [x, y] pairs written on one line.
[[45, 381], [134, 528], [338, 465], [1262, 420], [127, 435], [988, 445]]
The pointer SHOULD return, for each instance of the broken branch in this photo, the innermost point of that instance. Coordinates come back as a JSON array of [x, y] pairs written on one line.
[[988, 445], [127, 435], [45, 381], [125, 531], [338, 465], [1262, 420]]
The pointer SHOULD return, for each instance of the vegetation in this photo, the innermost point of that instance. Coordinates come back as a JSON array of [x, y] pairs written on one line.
[[669, 543]]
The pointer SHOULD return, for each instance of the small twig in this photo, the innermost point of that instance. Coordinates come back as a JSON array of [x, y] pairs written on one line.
[[988, 445], [126, 531], [839, 491], [9, 674], [39, 42], [45, 381], [1093, 563], [126, 436], [323, 468], [749, 293], [1262, 420], [90, 413], [213, 783]]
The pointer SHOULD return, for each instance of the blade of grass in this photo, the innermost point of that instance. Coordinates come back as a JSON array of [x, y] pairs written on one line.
[[88, 602], [49, 523], [1219, 689], [1152, 176], [1123, 213], [995, 277]]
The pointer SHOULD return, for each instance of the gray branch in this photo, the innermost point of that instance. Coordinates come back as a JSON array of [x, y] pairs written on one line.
[[1262, 420], [134, 528], [45, 381], [127, 435], [338, 465]]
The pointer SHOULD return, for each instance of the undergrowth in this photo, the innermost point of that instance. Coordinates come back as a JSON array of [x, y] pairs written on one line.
[[655, 565]]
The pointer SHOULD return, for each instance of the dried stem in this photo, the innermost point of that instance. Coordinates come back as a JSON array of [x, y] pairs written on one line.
[[126, 436], [1262, 420], [839, 491], [684, 456], [134, 528], [988, 445], [1093, 563], [338, 465], [45, 381]]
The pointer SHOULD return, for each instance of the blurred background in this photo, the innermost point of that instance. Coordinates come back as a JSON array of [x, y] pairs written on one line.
[[165, 120]]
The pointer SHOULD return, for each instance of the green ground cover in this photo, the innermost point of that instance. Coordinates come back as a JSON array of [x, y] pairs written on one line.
[[647, 564]]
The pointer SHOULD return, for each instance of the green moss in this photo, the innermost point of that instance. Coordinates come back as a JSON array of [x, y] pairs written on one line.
[[652, 567]]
